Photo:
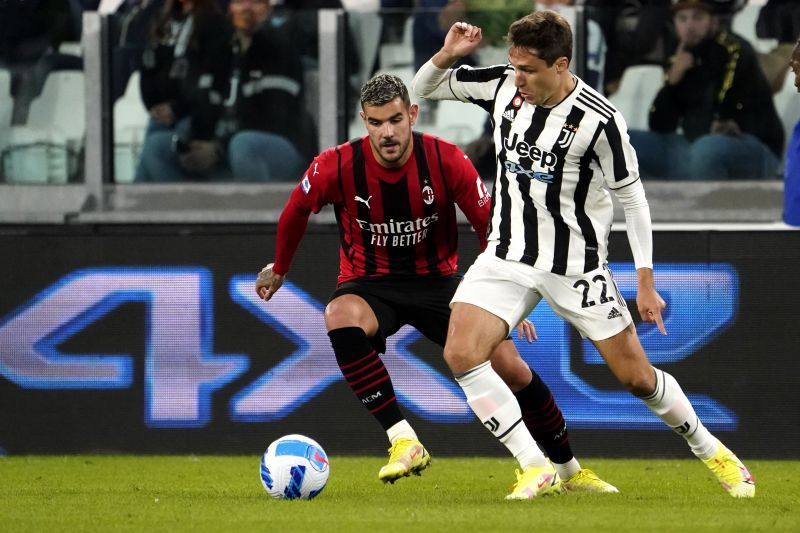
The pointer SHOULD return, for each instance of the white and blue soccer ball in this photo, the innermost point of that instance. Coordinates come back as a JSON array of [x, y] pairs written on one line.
[[293, 467]]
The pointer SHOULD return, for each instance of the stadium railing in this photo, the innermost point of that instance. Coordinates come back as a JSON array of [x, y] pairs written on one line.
[[80, 151]]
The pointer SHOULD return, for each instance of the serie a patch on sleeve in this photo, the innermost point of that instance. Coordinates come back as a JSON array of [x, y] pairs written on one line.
[[305, 184]]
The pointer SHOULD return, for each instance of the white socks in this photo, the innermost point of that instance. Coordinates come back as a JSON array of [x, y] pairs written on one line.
[[496, 407], [401, 430], [568, 469], [672, 406]]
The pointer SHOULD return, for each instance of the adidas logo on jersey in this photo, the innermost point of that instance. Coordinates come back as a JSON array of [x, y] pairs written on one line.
[[614, 313], [508, 115]]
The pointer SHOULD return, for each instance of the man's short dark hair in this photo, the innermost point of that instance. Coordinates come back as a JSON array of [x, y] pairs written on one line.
[[546, 32], [382, 89]]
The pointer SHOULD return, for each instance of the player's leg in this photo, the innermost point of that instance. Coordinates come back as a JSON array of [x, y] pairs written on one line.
[[593, 304], [351, 324], [663, 395], [484, 306], [544, 419]]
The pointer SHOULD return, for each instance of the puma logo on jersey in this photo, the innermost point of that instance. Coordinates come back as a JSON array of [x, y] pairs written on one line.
[[365, 202]]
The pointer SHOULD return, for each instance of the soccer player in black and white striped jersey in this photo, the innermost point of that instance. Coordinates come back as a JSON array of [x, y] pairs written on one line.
[[560, 146]]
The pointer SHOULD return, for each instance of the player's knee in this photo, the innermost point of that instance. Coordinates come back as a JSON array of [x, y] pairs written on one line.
[[512, 369], [457, 357], [344, 312], [638, 383]]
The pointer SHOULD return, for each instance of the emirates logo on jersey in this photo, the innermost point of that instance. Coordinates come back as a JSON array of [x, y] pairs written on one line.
[[427, 195], [483, 194]]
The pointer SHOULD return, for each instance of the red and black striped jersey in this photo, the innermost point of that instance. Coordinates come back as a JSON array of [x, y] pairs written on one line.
[[392, 222]]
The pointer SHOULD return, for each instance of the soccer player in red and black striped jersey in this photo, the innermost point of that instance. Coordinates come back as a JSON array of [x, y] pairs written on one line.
[[394, 192]]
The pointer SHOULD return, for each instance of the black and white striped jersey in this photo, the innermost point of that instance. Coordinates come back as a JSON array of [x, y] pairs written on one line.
[[550, 205]]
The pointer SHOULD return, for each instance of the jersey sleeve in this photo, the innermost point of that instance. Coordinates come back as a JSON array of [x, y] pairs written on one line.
[[615, 153], [468, 190], [317, 189], [465, 83]]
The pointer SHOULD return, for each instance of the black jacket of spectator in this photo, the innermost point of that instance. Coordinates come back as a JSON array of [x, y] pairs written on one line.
[[260, 89], [170, 68], [725, 83]]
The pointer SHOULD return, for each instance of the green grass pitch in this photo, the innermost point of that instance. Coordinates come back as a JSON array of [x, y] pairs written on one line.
[[223, 493]]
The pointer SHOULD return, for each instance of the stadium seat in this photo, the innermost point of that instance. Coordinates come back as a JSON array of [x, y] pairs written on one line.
[[637, 90], [6, 106], [365, 27], [744, 25], [130, 123], [394, 55], [46, 149]]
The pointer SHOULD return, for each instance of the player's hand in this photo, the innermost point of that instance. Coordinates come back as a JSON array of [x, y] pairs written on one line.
[[462, 39], [650, 305], [526, 330], [268, 282]]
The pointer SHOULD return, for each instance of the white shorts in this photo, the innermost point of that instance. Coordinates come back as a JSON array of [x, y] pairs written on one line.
[[510, 290]]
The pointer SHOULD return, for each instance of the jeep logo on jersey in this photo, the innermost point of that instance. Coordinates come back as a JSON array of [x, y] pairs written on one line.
[[534, 153], [427, 195]]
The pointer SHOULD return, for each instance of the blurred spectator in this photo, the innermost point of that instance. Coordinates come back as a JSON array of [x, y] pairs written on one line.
[[432, 21], [179, 38], [791, 188], [129, 24], [636, 32], [185, 32], [394, 14], [30, 35], [252, 125], [716, 92], [779, 20], [595, 43]]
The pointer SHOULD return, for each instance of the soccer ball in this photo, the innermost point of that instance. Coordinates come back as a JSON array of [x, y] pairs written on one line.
[[294, 466]]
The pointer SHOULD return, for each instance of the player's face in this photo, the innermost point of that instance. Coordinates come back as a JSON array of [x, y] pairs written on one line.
[[794, 64], [693, 25], [538, 84], [248, 15], [389, 129]]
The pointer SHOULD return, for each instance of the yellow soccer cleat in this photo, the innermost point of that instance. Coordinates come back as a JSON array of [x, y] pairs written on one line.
[[731, 473], [406, 457], [535, 481], [584, 480]]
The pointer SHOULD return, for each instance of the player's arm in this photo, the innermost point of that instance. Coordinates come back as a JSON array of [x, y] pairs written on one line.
[[618, 161], [309, 196], [435, 80], [469, 193], [291, 228]]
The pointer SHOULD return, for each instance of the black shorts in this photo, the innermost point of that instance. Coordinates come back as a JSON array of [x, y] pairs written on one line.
[[423, 303]]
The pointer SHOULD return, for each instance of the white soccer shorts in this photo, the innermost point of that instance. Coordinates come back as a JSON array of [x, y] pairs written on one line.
[[510, 290]]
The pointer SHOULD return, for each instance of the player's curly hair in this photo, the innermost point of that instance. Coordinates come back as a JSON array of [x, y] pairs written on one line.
[[546, 32], [382, 89]]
